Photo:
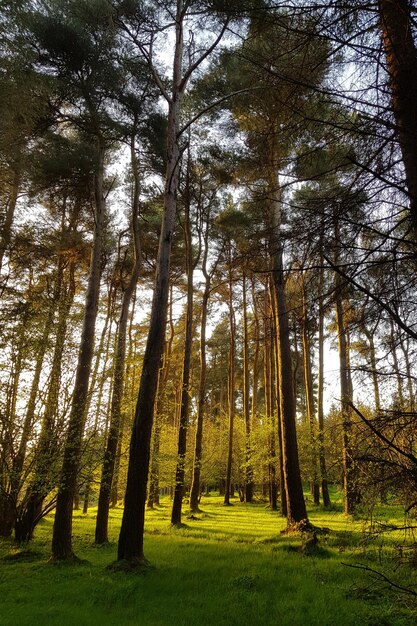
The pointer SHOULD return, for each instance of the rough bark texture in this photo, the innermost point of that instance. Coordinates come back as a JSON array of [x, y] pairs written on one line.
[[153, 491], [62, 530], [6, 227], [185, 389], [283, 495], [401, 55], [296, 509]]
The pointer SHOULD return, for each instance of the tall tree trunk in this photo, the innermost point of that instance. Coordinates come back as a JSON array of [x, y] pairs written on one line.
[[130, 545], [89, 446], [397, 372], [283, 494], [62, 530], [269, 396], [246, 399], [308, 382], [320, 382], [153, 492], [296, 509], [350, 493], [374, 370], [101, 533], [185, 386], [44, 473], [401, 54], [19, 459], [8, 454], [6, 228], [198, 448], [255, 366], [231, 385], [273, 493], [405, 349]]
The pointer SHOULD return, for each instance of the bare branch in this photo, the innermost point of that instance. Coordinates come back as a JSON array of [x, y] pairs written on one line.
[[204, 56], [212, 106], [382, 576]]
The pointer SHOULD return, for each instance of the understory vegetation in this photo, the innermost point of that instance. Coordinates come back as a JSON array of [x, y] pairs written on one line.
[[226, 566]]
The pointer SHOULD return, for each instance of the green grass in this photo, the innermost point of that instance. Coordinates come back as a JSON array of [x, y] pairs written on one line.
[[231, 567]]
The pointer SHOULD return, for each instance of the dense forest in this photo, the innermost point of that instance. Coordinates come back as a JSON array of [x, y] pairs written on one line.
[[208, 219]]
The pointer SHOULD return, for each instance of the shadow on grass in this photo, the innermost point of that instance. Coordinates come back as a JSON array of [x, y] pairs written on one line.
[[24, 556]]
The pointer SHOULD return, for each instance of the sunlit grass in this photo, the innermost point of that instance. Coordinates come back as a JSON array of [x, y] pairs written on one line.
[[230, 567]]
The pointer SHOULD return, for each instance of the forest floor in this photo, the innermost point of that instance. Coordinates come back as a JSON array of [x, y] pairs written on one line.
[[229, 567]]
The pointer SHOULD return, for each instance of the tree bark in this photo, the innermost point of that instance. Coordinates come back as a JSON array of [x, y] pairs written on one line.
[[101, 532], [246, 399], [401, 54], [153, 491], [231, 381], [62, 530], [320, 382], [6, 229], [130, 546], [195, 485], [296, 509], [44, 477], [185, 386], [308, 382]]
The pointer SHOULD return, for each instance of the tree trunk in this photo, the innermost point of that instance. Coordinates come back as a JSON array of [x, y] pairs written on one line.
[[283, 494], [401, 54], [374, 371], [296, 509], [185, 387], [62, 530], [255, 370], [19, 459], [101, 533], [397, 372], [195, 485], [320, 382], [153, 491], [246, 399], [130, 545], [231, 385], [308, 382], [273, 492], [44, 477], [350, 499], [6, 228]]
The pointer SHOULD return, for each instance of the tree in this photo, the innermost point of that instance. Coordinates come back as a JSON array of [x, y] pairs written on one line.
[[130, 547], [77, 48]]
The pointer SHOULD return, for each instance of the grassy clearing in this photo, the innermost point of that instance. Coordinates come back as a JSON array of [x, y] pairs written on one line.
[[230, 567]]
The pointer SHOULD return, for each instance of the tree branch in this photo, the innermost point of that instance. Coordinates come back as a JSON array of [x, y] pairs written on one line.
[[212, 106], [204, 56], [373, 297], [382, 576], [376, 432]]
